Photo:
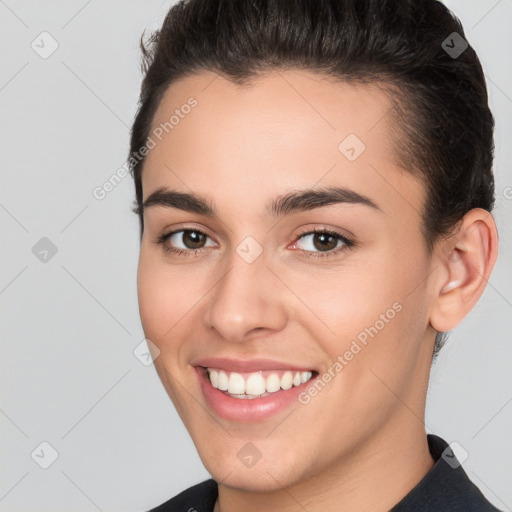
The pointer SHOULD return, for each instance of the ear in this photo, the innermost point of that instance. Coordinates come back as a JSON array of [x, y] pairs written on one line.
[[465, 260]]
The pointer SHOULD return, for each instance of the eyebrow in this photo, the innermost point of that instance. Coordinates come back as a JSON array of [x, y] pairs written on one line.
[[293, 202]]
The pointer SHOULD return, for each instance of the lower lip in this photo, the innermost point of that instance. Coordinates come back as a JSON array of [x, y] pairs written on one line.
[[248, 410]]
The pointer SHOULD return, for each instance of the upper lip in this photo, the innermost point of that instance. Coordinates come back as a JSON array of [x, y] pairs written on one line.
[[247, 365]]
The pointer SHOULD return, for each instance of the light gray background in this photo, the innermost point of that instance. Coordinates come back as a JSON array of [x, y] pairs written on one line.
[[69, 326]]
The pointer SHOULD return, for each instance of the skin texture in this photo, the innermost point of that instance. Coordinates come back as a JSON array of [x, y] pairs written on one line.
[[360, 444]]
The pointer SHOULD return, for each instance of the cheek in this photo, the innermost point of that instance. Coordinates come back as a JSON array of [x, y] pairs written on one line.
[[148, 293], [379, 303], [159, 304], [349, 299], [170, 299]]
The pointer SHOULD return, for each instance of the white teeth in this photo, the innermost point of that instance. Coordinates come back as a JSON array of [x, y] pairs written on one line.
[[287, 380], [236, 384], [214, 378], [255, 385], [223, 381], [273, 383]]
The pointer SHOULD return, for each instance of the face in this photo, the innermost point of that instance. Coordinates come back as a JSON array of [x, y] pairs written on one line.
[[334, 288]]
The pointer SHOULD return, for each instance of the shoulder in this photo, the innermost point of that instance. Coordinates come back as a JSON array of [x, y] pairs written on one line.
[[445, 487], [198, 498]]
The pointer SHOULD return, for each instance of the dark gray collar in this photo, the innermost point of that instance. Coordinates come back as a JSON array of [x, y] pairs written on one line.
[[445, 487]]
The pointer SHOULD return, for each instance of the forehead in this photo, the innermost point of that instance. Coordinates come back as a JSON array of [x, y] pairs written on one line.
[[285, 129], [300, 100]]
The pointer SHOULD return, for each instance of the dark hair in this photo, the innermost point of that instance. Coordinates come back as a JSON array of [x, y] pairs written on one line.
[[433, 77]]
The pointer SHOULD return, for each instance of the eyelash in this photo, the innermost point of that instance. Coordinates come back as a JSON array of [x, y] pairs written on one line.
[[348, 243]]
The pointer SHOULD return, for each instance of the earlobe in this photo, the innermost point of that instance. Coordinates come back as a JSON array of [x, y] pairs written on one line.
[[463, 275]]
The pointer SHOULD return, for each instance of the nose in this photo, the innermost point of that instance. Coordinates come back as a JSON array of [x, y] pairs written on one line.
[[248, 297]]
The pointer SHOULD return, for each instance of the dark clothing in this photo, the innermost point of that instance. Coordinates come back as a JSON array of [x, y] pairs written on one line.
[[446, 487]]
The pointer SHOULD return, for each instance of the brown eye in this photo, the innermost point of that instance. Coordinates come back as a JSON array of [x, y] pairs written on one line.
[[192, 239], [322, 243], [184, 241]]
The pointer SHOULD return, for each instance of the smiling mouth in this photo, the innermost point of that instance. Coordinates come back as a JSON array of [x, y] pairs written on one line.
[[257, 384]]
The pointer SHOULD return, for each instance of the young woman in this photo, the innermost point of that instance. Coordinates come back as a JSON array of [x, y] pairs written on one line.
[[314, 186]]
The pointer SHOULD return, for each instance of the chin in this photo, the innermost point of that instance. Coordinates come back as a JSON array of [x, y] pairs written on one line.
[[252, 480], [264, 476]]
